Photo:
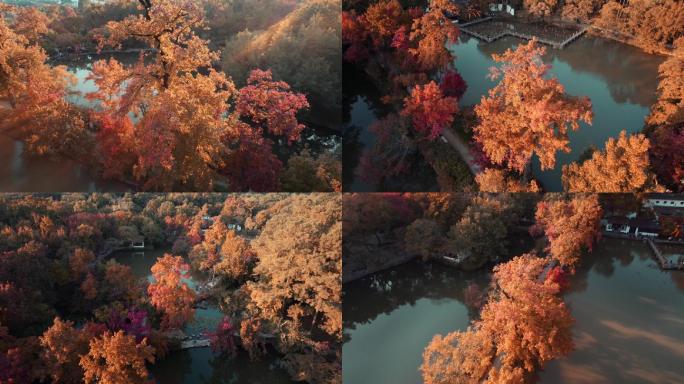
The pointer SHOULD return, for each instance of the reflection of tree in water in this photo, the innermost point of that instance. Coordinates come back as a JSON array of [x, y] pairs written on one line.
[[384, 292], [602, 260], [174, 368], [350, 156], [236, 370], [630, 74], [357, 84]]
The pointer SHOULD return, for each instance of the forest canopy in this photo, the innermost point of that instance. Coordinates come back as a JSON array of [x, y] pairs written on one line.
[[69, 311]]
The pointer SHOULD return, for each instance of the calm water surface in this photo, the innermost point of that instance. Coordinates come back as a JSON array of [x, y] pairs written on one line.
[[629, 320], [200, 365], [619, 79], [22, 173]]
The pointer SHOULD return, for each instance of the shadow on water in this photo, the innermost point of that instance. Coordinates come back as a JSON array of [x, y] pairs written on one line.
[[390, 316], [629, 319]]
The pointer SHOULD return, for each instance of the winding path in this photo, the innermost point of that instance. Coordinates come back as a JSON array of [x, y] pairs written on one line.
[[462, 149]]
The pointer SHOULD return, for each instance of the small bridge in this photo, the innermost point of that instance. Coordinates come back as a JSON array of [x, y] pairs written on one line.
[[664, 263], [196, 343]]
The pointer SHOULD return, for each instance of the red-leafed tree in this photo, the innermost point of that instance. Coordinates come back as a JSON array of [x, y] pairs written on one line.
[[429, 110], [453, 85]]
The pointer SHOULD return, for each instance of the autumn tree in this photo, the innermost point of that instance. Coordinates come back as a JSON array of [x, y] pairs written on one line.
[[527, 112], [651, 25], [423, 237], [530, 323], [494, 180], [458, 357], [524, 325], [429, 110], [236, 257], [540, 8], [669, 109], [62, 347], [480, 234], [298, 290], [36, 91], [192, 123], [431, 33], [623, 166], [453, 85], [307, 173], [666, 155], [569, 225], [581, 10], [116, 358], [169, 294]]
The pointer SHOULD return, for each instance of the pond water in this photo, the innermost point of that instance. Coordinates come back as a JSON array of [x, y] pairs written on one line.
[[200, 365], [619, 79], [361, 107], [629, 316], [22, 173]]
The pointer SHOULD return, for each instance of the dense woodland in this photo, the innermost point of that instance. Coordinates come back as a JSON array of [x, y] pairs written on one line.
[[403, 49], [217, 99], [69, 313]]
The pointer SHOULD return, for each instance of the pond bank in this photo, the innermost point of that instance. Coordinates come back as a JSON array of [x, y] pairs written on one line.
[[624, 332], [193, 361]]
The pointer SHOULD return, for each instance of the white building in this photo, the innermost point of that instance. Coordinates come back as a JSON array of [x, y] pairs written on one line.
[[668, 200]]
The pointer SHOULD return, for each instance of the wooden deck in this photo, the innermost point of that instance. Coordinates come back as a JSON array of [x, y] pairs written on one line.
[[197, 343], [554, 44], [664, 263]]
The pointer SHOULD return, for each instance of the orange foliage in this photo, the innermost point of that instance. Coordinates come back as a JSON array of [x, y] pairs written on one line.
[[429, 110], [527, 113], [115, 358], [669, 108], [524, 325], [62, 345], [493, 180], [622, 167], [431, 33], [169, 294], [569, 225]]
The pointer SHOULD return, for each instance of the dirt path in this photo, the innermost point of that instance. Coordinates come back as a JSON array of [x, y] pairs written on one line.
[[462, 149]]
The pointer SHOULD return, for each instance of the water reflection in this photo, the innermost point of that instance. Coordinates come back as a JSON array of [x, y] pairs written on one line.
[[629, 316], [200, 365], [629, 319], [390, 316], [619, 79]]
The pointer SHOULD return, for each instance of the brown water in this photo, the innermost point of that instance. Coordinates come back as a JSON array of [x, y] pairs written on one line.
[[629, 320]]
